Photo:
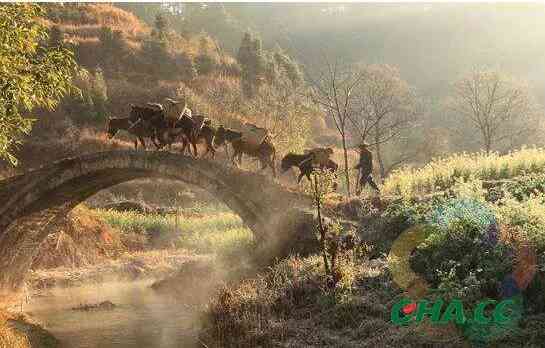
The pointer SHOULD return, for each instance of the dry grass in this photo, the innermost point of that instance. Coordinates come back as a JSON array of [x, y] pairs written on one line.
[[85, 21], [10, 338], [82, 239], [290, 303], [291, 306], [153, 264]]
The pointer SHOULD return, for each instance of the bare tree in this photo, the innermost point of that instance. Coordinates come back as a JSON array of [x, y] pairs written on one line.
[[334, 91], [497, 106], [385, 106]]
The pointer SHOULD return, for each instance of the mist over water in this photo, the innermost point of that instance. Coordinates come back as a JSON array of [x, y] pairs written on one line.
[[141, 318]]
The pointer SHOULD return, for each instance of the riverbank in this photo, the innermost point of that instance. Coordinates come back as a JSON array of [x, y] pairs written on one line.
[[19, 331]]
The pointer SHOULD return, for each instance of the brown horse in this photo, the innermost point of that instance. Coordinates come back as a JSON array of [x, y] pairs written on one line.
[[184, 131], [137, 129], [206, 135], [265, 152], [304, 164]]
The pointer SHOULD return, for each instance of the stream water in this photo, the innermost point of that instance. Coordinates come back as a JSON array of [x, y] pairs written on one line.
[[141, 317]]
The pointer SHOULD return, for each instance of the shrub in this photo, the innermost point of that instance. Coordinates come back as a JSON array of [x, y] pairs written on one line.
[[256, 311], [91, 103], [205, 64], [463, 257], [185, 67]]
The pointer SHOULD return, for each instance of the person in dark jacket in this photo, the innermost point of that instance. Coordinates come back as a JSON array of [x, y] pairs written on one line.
[[365, 166]]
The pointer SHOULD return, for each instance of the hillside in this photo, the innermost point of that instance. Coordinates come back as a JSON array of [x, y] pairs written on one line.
[[469, 243], [124, 61]]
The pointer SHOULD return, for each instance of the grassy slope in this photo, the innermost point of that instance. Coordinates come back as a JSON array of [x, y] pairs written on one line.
[[18, 331], [204, 230], [290, 304]]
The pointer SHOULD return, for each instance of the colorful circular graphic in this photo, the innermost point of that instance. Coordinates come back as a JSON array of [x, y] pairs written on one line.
[[511, 286]]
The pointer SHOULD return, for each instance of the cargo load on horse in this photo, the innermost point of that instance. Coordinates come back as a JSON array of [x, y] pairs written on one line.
[[319, 156], [172, 109], [253, 135], [198, 123]]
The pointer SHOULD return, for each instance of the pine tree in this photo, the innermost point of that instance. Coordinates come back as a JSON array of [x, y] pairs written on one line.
[[161, 28], [252, 61]]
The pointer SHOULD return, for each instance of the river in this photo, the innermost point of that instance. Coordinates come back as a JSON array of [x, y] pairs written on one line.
[[141, 317]]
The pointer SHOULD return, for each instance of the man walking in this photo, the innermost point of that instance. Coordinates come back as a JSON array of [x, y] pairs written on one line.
[[365, 165]]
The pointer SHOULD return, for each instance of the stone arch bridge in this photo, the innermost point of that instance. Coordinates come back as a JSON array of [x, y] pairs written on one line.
[[31, 204]]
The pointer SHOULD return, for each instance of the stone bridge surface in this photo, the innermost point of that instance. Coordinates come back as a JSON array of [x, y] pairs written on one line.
[[31, 204]]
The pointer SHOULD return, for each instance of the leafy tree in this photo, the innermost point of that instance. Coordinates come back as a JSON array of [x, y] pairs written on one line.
[[113, 48], [158, 60], [185, 67], [31, 74], [91, 103], [289, 66], [161, 28], [55, 36]]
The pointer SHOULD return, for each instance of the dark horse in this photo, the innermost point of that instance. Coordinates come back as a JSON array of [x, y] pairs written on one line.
[[206, 135], [184, 129], [137, 129], [265, 152], [304, 164], [152, 120]]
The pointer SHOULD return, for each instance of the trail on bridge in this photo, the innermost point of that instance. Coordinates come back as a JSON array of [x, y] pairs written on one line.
[[32, 203]]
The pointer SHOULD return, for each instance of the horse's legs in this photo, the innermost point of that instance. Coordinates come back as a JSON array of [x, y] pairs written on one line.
[[270, 163], [184, 145], [234, 158], [264, 164], [227, 151], [142, 142], [210, 147], [194, 144], [212, 151], [154, 141]]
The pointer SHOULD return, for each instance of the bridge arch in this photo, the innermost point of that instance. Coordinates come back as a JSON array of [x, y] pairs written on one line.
[[31, 204]]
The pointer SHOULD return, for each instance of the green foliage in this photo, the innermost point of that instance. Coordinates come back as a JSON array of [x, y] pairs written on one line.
[[528, 216], [113, 49], [158, 60], [161, 28], [31, 74], [441, 174], [185, 67], [525, 187], [457, 259], [213, 232], [289, 66], [205, 64], [252, 61], [91, 103], [55, 36]]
